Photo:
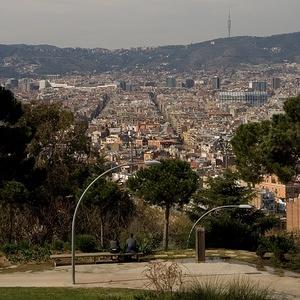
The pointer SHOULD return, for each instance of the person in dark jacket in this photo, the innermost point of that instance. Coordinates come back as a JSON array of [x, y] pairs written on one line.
[[131, 245]]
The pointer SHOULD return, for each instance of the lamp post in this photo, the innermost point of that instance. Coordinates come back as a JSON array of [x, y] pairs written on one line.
[[148, 163], [241, 206]]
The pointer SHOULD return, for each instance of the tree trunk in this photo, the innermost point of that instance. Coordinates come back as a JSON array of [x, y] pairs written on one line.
[[101, 233], [166, 228]]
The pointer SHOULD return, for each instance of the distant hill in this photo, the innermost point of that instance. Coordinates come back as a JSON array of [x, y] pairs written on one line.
[[28, 60]]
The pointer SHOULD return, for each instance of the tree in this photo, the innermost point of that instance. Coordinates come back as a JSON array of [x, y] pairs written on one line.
[[222, 190], [171, 183], [64, 159], [13, 160], [13, 196], [270, 146], [234, 228], [14, 137], [45, 155], [114, 205]]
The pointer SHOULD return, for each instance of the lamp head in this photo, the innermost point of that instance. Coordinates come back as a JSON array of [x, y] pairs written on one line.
[[245, 206], [152, 162]]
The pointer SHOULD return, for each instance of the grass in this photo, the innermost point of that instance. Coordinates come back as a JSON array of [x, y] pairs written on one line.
[[65, 294], [234, 291]]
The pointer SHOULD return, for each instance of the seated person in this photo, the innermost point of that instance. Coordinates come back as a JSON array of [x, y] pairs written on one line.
[[114, 246], [131, 246]]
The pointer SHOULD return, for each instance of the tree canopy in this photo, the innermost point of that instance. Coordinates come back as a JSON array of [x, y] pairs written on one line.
[[270, 146], [166, 185], [232, 228], [45, 158], [221, 190], [114, 205]]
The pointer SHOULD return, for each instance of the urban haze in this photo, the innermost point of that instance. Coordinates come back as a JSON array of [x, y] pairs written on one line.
[[136, 23]]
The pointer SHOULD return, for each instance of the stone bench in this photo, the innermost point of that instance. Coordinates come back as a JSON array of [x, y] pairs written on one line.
[[96, 257]]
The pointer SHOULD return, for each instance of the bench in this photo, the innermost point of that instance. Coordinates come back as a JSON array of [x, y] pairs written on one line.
[[96, 257]]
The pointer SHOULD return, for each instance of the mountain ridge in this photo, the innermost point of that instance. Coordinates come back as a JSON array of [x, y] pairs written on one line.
[[35, 60]]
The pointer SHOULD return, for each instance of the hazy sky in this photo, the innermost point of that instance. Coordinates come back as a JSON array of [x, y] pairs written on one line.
[[130, 23]]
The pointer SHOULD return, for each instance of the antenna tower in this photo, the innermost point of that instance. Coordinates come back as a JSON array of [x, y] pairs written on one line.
[[229, 25]]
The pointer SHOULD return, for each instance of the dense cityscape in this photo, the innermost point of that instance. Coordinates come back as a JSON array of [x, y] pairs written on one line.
[[166, 171], [145, 116]]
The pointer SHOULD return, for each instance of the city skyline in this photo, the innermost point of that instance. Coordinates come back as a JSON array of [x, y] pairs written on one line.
[[133, 23]]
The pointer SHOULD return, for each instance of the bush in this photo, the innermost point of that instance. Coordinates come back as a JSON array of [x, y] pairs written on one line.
[[58, 245], [279, 245], [180, 226], [236, 290], [23, 253], [67, 246], [86, 243], [263, 246], [237, 229], [9, 249]]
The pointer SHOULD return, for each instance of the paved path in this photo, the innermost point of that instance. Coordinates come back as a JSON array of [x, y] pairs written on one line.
[[130, 275]]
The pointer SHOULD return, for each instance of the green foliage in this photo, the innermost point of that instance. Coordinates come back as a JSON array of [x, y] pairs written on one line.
[[279, 245], [172, 182], [204, 292], [270, 146], [146, 226], [113, 205], [13, 193], [57, 245], [237, 229], [234, 228], [86, 243], [166, 185], [180, 226], [248, 155], [17, 293], [10, 108], [24, 253], [45, 158], [222, 190], [14, 138], [9, 249]]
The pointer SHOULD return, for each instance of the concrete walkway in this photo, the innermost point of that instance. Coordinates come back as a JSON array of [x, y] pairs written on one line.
[[130, 275]]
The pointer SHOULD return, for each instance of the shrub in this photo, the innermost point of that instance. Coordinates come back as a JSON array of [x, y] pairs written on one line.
[[86, 243], [10, 249], [146, 246], [58, 245], [164, 277], [235, 290], [279, 245], [263, 246], [23, 253], [67, 246]]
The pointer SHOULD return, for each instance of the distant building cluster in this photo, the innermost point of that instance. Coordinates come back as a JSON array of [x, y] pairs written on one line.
[[252, 98], [142, 114]]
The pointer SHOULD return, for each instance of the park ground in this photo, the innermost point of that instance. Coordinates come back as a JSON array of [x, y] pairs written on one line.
[[131, 276]]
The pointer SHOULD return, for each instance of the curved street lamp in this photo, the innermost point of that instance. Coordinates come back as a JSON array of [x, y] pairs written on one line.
[[148, 163], [241, 206]]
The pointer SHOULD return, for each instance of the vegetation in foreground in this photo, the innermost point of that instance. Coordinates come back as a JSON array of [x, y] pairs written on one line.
[[234, 291]]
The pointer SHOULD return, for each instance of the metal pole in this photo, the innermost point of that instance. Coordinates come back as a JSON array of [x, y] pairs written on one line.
[[154, 162]]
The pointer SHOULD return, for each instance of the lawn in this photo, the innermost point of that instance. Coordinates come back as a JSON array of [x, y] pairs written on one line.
[[234, 291], [65, 294]]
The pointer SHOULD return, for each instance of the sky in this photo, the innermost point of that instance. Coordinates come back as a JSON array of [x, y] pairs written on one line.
[[116, 24]]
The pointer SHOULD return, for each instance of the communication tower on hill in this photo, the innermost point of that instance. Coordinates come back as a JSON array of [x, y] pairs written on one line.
[[229, 25]]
